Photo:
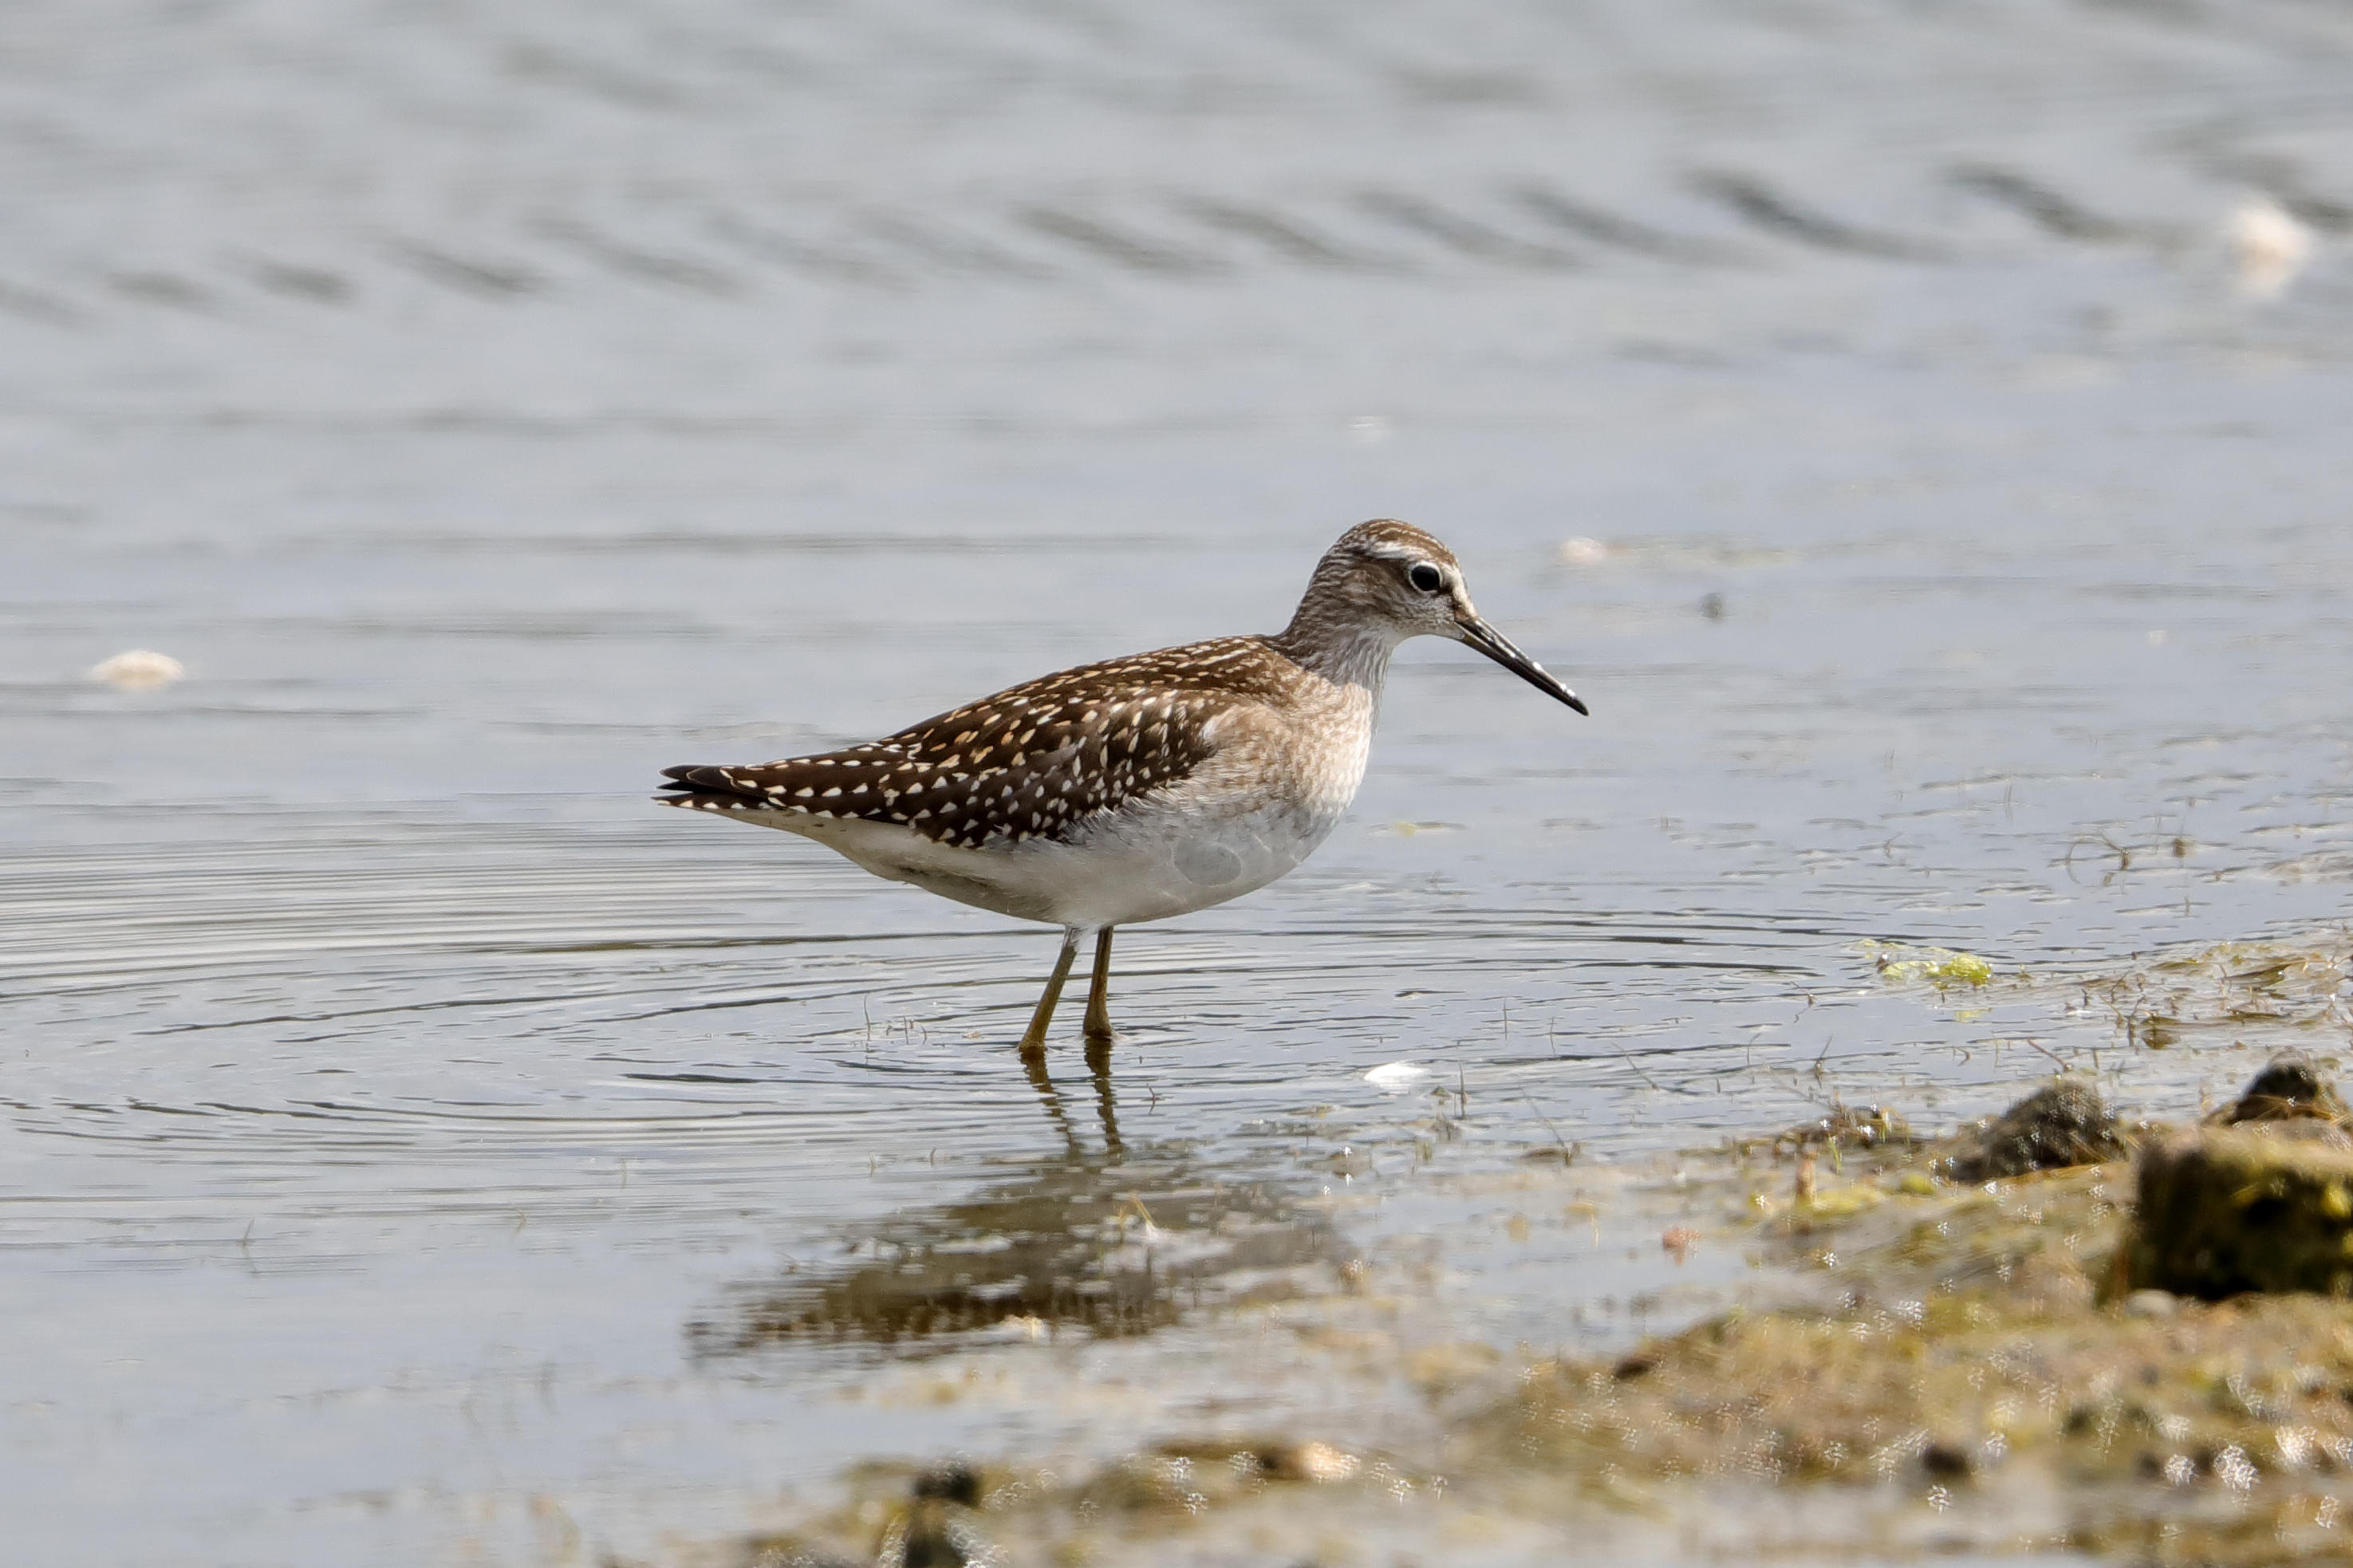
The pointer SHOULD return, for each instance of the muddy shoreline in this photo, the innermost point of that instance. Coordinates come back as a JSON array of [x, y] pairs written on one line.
[[1948, 1345]]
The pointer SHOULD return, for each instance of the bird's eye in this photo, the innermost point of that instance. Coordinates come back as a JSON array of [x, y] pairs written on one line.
[[1426, 578]]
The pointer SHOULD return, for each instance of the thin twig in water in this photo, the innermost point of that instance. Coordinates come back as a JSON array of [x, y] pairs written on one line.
[[2064, 1065], [1568, 1152], [1630, 1062]]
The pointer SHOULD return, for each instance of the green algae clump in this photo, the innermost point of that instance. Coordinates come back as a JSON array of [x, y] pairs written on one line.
[[1943, 967]]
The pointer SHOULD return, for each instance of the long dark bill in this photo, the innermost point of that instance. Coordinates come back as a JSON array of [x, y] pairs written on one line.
[[1498, 647]]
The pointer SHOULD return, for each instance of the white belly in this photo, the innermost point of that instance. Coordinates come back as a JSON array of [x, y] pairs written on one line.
[[1149, 865], [1140, 865]]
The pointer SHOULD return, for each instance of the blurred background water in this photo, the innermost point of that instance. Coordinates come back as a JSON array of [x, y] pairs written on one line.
[[1917, 428]]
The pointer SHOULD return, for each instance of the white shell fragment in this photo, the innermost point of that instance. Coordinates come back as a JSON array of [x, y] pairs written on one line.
[[139, 669], [2268, 245], [1395, 1078]]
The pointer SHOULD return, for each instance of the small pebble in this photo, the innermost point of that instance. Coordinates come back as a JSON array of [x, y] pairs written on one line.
[[2151, 1304], [958, 1484], [1316, 1462], [1947, 1459]]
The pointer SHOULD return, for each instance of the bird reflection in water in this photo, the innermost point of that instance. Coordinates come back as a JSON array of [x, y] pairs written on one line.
[[1108, 1241], [1106, 1104]]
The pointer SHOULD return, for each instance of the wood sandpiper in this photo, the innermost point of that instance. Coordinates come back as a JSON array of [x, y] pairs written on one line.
[[1138, 788]]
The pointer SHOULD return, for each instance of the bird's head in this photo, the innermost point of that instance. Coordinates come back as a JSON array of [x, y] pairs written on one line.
[[1392, 576]]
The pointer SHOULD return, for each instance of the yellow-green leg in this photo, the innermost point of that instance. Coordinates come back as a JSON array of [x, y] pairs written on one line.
[[1099, 995], [1033, 1042], [1099, 1034]]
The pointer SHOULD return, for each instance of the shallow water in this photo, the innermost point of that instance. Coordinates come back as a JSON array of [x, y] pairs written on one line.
[[413, 1137]]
